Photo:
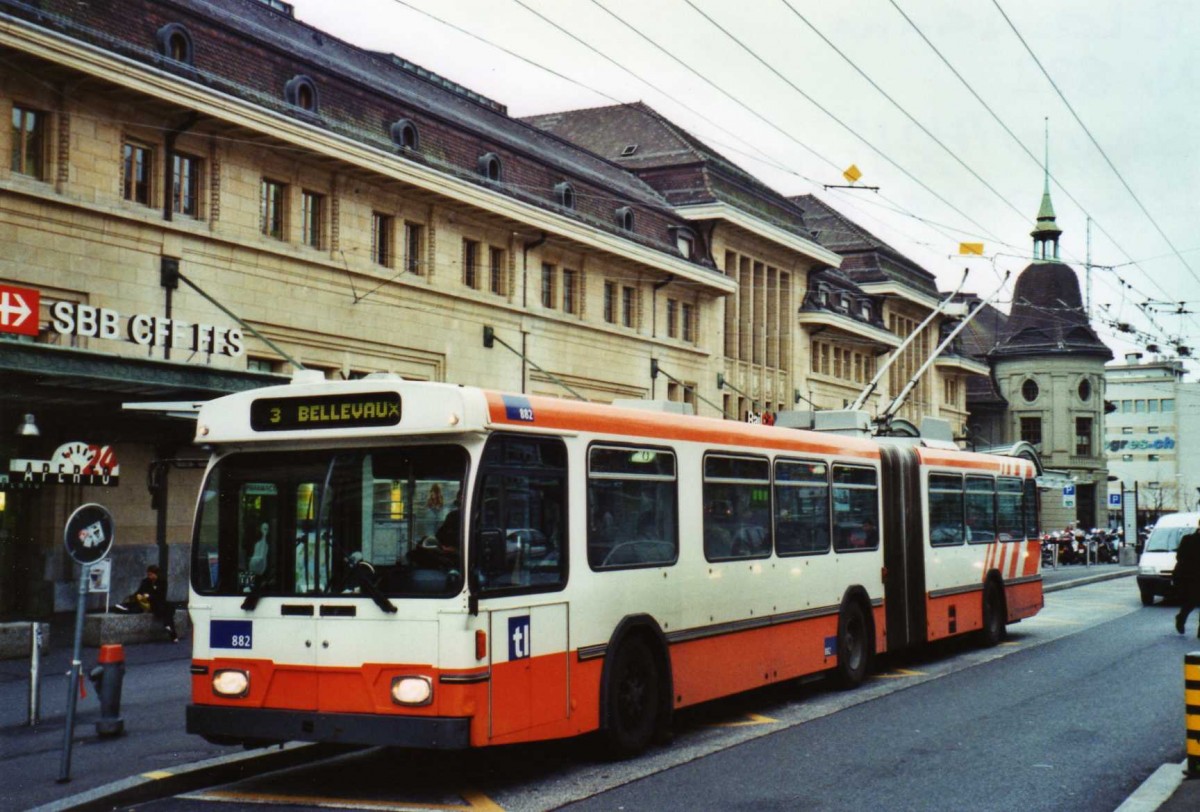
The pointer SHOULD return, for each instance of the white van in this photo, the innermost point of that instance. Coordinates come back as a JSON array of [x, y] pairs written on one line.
[[1158, 559]]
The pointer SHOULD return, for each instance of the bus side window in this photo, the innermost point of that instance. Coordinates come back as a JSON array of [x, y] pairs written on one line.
[[631, 507], [1009, 521], [855, 508], [801, 507], [981, 509], [737, 499], [945, 510]]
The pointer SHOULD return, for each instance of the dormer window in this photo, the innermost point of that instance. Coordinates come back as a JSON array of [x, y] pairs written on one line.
[[844, 302], [404, 135], [865, 310], [624, 216], [823, 297], [629, 150], [175, 43], [301, 92], [489, 166], [685, 241], [564, 193]]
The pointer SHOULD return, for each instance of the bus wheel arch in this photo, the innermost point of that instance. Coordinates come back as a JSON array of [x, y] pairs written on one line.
[[855, 638], [636, 688], [995, 611]]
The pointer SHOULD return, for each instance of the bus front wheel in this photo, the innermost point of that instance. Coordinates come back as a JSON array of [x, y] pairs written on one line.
[[633, 692]]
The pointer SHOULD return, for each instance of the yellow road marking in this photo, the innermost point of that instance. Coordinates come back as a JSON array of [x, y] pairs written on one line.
[[476, 801], [1009, 643], [155, 775], [900, 673], [750, 720]]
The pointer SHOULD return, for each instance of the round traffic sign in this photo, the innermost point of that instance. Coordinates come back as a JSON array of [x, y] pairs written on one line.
[[89, 533]]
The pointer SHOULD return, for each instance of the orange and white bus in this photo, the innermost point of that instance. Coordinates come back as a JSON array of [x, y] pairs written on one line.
[[419, 564]]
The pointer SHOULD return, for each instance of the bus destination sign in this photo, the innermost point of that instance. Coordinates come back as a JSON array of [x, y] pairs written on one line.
[[362, 410]]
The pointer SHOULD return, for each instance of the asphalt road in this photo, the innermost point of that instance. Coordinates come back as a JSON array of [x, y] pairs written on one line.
[[1074, 712], [1075, 724]]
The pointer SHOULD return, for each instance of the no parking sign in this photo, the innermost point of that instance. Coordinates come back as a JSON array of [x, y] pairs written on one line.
[[89, 533]]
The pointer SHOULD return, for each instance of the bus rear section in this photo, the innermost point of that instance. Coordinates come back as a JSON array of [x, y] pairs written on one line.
[[968, 560]]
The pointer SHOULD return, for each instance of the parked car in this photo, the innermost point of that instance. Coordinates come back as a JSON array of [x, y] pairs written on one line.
[[1157, 563]]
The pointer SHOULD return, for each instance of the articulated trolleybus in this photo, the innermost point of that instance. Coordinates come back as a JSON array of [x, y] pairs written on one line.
[[427, 565]]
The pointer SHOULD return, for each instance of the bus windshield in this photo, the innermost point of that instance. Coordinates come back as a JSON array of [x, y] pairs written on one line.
[[348, 522]]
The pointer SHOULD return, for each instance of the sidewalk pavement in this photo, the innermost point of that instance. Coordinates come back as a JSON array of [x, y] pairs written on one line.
[[155, 757]]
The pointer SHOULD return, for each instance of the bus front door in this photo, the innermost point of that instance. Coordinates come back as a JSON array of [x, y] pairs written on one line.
[[529, 665]]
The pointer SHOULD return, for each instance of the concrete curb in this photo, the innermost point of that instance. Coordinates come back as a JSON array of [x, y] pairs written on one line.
[[161, 784], [1088, 579], [1155, 790]]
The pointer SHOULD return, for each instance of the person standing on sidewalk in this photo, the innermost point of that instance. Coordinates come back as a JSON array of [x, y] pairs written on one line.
[[1186, 578]]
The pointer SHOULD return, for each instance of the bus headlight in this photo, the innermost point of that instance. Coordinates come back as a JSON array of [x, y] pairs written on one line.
[[231, 682], [412, 690]]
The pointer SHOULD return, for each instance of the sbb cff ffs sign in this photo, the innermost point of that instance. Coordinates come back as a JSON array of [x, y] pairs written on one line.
[[19, 309]]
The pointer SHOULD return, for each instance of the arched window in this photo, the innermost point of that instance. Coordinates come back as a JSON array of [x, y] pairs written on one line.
[[302, 92], [175, 43], [624, 216], [404, 135], [489, 166], [1029, 390], [564, 193]]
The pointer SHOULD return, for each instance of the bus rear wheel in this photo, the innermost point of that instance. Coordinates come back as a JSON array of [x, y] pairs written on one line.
[[634, 697], [853, 645], [994, 629]]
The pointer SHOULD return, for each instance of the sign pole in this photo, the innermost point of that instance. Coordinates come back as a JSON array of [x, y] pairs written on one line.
[[73, 678], [88, 536]]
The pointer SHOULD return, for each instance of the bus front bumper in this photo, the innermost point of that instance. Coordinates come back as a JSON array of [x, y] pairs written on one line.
[[266, 726]]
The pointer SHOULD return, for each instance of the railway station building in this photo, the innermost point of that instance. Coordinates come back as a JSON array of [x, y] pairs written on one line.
[[201, 198]]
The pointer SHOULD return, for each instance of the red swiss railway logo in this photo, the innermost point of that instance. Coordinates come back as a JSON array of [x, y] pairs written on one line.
[[19, 308]]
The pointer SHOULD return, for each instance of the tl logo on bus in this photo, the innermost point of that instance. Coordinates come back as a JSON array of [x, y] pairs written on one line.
[[519, 647]]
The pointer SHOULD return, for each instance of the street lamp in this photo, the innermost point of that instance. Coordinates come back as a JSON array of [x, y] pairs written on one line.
[[28, 427]]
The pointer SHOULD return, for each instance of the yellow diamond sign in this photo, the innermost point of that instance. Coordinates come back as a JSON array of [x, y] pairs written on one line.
[[852, 174]]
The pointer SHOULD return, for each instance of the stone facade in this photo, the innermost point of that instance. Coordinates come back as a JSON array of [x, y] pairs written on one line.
[[301, 202]]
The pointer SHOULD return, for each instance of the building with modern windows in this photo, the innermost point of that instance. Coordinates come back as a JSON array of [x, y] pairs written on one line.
[[1152, 437]]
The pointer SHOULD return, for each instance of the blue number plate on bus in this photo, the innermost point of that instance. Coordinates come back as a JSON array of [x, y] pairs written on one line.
[[237, 634]]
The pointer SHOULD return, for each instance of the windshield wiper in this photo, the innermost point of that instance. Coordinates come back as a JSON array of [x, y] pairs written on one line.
[[363, 571], [252, 598]]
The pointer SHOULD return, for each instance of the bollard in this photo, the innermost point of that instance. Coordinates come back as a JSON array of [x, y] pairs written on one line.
[[1191, 698], [35, 673], [107, 676]]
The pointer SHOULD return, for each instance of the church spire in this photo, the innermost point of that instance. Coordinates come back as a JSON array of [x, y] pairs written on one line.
[[1046, 233]]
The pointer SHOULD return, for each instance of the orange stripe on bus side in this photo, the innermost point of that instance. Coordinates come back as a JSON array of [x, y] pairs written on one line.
[[553, 413]]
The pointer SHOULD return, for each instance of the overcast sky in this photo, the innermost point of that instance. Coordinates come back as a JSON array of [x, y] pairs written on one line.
[[763, 82]]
